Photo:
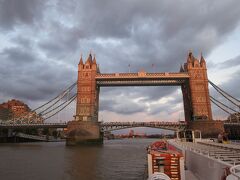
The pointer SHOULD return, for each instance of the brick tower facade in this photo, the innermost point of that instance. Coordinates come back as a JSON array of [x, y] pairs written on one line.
[[196, 93], [85, 129], [87, 91]]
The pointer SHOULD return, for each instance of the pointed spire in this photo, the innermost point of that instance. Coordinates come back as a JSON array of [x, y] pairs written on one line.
[[190, 53], [81, 60], [190, 56], [94, 59], [98, 69], [89, 59], [181, 68], [90, 55], [202, 61]]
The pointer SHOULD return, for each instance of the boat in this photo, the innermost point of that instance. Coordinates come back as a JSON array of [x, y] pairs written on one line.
[[164, 163]]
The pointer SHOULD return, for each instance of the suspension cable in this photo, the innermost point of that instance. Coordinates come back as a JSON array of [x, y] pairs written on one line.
[[71, 100], [223, 104], [225, 92], [57, 106], [220, 91], [220, 107], [55, 97], [64, 94]]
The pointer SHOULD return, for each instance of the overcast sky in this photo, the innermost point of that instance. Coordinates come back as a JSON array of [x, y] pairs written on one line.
[[41, 43]]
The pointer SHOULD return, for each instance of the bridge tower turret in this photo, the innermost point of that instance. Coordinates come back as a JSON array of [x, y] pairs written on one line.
[[197, 91]]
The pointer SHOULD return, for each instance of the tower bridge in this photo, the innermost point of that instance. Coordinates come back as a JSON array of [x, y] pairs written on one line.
[[192, 78]]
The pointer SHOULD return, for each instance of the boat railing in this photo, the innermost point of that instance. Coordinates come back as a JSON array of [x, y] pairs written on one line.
[[159, 175], [235, 171]]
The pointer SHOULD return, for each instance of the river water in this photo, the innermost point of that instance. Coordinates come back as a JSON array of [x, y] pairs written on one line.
[[123, 159]]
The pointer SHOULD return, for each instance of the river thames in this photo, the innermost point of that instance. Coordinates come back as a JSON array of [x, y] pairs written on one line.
[[123, 159]]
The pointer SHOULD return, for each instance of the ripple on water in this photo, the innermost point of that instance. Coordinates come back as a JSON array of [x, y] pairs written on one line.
[[115, 160]]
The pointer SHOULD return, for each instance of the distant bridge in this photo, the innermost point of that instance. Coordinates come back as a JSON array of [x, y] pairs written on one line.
[[112, 126], [105, 126], [174, 126]]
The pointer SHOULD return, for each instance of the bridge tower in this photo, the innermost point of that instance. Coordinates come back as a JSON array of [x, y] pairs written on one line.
[[197, 105], [85, 128], [196, 93], [87, 91]]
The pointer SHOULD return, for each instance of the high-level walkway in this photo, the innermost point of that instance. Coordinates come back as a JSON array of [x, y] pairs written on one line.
[[142, 79]]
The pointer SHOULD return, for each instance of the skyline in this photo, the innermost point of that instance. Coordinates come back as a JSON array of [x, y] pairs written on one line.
[[43, 41]]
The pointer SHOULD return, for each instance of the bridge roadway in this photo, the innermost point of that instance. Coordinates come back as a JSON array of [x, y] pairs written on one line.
[[142, 79], [174, 126], [105, 126], [32, 125], [38, 138], [231, 123], [111, 126]]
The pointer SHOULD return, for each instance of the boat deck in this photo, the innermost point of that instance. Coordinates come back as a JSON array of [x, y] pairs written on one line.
[[227, 153], [208, 160], [190, 176]]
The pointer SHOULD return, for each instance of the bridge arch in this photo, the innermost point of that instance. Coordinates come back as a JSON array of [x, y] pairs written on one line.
[[112, 126]]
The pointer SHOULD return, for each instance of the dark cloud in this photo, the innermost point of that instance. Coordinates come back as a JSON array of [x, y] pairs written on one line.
[[24, 12], [44, 41], [17, 56], [27, 77], [232, 88], [173, 105], [123, 107], [24, 42], [149, 93], [129, 100], [156, 33], [230, 63], [61, 39]]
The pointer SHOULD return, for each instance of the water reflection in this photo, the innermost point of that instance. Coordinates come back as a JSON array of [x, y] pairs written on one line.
[[116, 159]]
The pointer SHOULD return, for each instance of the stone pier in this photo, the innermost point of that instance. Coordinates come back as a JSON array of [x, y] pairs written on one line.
[[209, 128], [83, 132]]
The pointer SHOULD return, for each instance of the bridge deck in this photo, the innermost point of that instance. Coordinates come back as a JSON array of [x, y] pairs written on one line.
[[108, 126], [33, 125], [143, 75], [141, 79]]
